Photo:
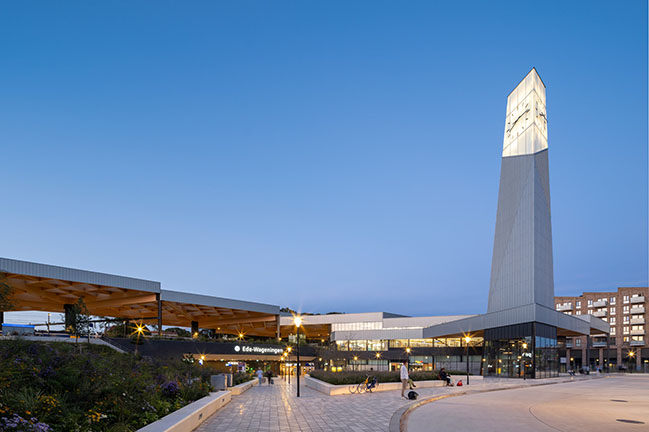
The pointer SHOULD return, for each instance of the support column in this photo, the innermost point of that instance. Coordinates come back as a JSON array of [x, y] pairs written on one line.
[[601, 359], [533, 375], [194, 329], [638, 359], [279, 333], [568, 362], [584, 356], [159, 300]]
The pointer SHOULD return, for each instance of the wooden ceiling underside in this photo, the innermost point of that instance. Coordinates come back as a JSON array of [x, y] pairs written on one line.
[[34, 293]]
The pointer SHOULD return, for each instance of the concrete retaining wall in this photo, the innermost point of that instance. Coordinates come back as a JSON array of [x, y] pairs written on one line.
[[191, 416], [334, 390], [238, 389]]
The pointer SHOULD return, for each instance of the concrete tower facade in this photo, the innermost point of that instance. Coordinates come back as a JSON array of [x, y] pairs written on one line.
[[521, 268]]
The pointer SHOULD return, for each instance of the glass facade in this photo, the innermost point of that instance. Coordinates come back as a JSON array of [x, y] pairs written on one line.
[[523, 350]]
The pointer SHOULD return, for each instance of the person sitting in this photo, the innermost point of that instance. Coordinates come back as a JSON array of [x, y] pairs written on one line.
[[443, 375]]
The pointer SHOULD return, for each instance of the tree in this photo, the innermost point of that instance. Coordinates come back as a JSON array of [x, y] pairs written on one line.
[[6, 293], [77, 319]]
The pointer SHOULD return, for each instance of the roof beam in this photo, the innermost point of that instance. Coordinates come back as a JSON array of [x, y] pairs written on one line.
[[122, 301]]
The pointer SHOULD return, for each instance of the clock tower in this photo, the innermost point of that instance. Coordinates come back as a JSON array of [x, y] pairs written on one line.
[[521, 268]]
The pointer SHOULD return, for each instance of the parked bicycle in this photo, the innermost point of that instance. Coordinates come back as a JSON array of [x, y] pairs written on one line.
[[370, 383]]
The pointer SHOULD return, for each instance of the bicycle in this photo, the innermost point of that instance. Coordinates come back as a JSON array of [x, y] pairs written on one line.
[[370, 383]]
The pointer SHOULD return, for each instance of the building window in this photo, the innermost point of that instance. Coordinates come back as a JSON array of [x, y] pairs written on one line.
[[637, 338], [578, 303], [637, 327], [612, 311], [578, 312], [625, 329], [626, 309], [568, 313], [375, 325], [377, 345], [612, 320], [625, 319], [612, 331], [626, 299], [625, 339], [577, 341], [612, 300], [342, 345], [590, 303]]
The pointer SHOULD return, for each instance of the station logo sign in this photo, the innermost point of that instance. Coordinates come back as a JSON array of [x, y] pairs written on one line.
[[254, 349]]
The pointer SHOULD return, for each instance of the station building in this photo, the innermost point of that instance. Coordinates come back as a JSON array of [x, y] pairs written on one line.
[[381, 341]]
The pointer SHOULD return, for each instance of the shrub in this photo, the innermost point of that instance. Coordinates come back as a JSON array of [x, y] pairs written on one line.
[[241, 377], [53, 385]]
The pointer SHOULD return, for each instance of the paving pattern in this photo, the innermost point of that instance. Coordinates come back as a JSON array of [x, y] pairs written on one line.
[[616, 403], [276, 408]]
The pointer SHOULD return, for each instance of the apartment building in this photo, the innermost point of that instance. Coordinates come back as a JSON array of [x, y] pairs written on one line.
[[626, 312]]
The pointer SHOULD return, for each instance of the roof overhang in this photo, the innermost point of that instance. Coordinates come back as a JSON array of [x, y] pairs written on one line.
[[49, 288], [567, 325]]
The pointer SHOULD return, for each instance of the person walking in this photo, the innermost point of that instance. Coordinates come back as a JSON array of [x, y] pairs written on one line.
[[260, 375], [403, 374]]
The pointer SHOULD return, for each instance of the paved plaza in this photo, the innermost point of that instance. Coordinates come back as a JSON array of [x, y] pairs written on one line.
[[615, 403], [276, 408]]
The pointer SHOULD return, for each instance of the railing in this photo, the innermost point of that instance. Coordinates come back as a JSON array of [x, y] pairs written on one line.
[[637, 343], [637, 320], [599, 344], [637, 332], [637, 299], [600, 303], [637, 310], [564, 307], [599, 314]]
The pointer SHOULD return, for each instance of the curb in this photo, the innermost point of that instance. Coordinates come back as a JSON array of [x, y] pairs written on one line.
[[399, 420]]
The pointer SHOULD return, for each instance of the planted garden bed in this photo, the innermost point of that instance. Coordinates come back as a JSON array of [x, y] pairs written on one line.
[[58, 386]]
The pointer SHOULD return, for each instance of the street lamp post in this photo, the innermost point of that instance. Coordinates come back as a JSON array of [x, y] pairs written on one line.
[[298, 322], [524, 361], [139, 330], [631, 355], [467, 339], [288, 357], [408, 358]]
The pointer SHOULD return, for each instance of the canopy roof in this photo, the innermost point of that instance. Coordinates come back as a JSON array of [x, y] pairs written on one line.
[[48, 288]]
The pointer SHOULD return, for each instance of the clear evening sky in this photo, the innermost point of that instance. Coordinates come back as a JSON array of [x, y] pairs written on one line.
[[327, 156]]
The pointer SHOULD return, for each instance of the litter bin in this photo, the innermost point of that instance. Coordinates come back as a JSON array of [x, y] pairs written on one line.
[[229, 375], [219, 382]]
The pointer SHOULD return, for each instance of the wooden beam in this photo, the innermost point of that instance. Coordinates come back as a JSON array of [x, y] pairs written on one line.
[[122, 301]]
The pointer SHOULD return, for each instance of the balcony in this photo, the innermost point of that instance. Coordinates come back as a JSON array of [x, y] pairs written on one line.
[[599, 344], [637, 310], [564, 307], [600, 303], [637, 332], [599, 314], [637, 343], [568, 344], [638, 299], [637, 320]]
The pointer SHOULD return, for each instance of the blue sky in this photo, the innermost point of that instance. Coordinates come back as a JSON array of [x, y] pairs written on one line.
[[322, 155]]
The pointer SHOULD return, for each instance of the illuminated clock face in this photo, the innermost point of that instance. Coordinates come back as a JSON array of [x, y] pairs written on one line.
[[526, 126]]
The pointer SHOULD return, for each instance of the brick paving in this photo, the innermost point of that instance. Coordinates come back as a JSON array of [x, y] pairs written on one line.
[[276, 408]]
